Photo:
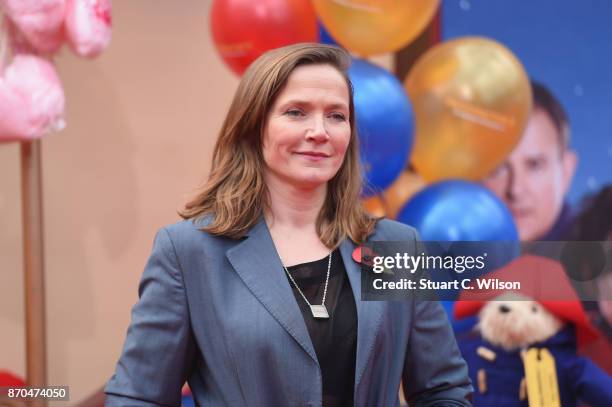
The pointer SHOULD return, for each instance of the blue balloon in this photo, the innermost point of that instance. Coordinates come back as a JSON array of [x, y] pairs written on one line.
[[384, 122], [457, 210], [187, 401], [462, 212], [468, 215], [324, 35]]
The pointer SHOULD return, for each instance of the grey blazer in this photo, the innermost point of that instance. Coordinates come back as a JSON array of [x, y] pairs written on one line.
[[220, 314]]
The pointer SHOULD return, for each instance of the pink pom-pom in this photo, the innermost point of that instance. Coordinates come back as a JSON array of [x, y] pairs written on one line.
[[31, 99], [88, 26], [40, 21]]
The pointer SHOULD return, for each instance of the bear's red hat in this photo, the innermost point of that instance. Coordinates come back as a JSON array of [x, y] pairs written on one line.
[[541, 279]]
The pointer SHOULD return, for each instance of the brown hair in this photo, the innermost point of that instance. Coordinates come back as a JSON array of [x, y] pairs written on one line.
[[235, 193], [544, 100]]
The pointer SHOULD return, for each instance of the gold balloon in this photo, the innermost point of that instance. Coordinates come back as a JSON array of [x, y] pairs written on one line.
[[471, 99], [375, 206], [369, 27], [402, 189]]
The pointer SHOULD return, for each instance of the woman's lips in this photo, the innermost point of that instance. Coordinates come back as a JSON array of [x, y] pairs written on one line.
[[313, 156]]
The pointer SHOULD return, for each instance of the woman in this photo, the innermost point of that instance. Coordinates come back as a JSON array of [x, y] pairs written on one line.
[[254, 298]]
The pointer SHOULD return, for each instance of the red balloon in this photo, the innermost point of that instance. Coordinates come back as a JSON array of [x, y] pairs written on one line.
[[244, 29]]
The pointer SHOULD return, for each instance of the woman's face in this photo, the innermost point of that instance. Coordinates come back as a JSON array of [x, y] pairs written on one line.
[[307, 129]]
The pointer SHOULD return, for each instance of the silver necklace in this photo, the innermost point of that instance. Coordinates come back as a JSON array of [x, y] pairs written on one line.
[[318, 311]]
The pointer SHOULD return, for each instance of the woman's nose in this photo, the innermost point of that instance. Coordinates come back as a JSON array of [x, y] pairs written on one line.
[[317, 131]]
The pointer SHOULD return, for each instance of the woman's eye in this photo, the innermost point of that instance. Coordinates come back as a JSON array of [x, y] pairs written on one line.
[[338, 116], [294, 113]]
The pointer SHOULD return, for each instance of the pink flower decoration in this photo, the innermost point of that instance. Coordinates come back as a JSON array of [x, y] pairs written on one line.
[[88, 26], [31, 99], [40, 21]]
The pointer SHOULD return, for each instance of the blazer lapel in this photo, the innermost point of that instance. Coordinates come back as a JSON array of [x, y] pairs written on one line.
[[369, 313], [256, 261]]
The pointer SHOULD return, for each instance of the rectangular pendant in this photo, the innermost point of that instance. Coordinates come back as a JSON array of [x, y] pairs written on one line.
[[319, 311]]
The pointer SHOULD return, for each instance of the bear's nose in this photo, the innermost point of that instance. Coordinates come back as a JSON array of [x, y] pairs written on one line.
[[504, 308]]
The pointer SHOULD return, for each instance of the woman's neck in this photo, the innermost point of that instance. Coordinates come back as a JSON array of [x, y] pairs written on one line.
[[293, 207]]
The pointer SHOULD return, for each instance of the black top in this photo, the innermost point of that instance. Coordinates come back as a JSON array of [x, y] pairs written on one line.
[[334, 339]]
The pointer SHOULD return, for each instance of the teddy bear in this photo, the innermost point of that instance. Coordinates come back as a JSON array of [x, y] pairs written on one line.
[[523, 349]]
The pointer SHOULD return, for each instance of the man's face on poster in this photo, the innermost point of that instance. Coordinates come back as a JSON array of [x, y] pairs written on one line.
[[535, 177]]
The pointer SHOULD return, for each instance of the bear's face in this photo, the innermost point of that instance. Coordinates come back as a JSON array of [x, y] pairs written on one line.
[[513, 321]]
